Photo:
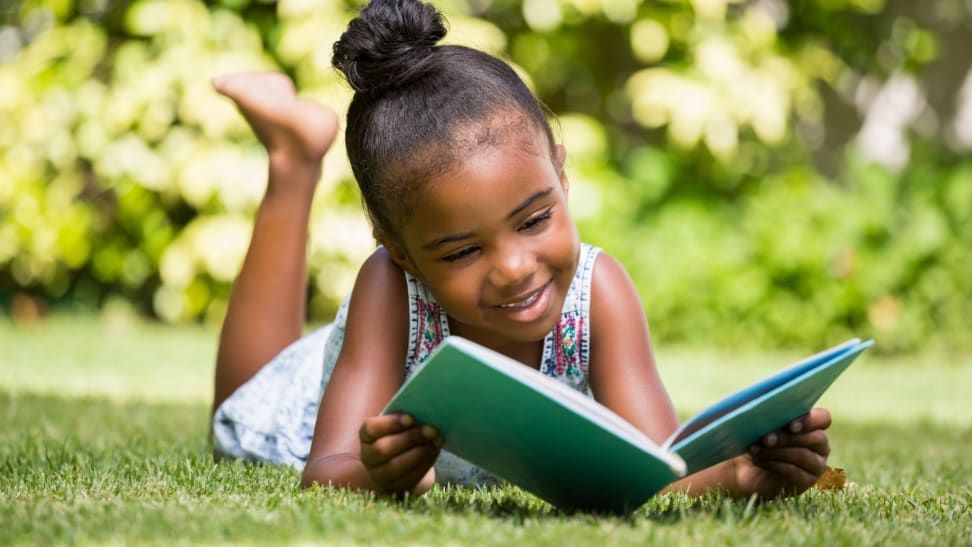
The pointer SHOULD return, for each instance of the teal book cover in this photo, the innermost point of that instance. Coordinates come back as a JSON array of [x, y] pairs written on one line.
[[575, 453], [534, 431]]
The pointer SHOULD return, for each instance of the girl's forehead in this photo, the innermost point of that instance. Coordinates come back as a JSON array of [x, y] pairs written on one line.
[[447, 173], [482, 193], [498, 162]]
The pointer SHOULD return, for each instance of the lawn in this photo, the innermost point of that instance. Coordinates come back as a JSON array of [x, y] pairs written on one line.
[[105, 442]]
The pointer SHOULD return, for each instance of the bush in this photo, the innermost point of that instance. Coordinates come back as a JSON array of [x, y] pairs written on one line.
[[693, 132]]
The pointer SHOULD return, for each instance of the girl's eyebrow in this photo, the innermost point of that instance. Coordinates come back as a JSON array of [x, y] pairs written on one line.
[[526, 203], [447, 239], [466, 235]]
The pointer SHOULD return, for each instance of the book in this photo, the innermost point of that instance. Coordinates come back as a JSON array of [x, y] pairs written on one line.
[[563, 446]]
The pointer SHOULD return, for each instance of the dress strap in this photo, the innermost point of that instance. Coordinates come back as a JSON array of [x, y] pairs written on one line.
[[428, 324], [566, 350]]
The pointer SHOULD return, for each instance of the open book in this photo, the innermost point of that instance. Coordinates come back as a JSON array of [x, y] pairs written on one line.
[[540, 434]]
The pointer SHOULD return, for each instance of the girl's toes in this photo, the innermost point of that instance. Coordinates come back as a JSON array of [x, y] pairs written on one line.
[[254, 87]]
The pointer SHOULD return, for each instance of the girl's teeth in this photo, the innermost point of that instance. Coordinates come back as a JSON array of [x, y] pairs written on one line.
[[525, 303]]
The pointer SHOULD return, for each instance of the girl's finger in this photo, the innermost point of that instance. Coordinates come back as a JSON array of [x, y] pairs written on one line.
[[817, 418], [392, 445], [815, 440], [809, 461], [799, 479], [405, 470], [379, 426]]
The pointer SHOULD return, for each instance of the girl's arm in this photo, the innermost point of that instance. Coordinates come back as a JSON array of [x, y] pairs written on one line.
[[623, 373], [353, 446], [622, 366], [624, 378]]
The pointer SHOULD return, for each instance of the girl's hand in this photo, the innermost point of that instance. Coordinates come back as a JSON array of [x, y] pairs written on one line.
[[787, 461], [398, 453]]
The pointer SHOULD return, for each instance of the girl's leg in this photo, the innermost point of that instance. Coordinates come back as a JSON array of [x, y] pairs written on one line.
[[266, 306]]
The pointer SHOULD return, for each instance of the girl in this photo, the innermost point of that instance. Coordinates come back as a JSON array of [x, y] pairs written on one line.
[[467, 194]]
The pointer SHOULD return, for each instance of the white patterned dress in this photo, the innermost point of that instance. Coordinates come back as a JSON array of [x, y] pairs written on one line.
[[271, 417]]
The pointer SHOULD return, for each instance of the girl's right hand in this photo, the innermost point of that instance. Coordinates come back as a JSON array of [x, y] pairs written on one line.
[[398, 452]]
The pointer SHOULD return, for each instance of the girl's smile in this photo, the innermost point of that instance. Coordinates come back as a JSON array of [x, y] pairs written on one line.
[[529, 309], [528, 301]]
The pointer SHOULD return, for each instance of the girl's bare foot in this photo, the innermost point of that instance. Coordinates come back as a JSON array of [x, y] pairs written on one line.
[[293, 130]]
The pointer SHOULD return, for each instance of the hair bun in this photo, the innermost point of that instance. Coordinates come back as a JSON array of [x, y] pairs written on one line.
[[388, 44]]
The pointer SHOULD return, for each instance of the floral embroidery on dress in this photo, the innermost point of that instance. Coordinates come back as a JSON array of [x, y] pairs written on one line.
[[429, 329], [567, 356]]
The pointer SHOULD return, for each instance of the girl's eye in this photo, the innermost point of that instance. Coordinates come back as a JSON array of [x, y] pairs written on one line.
[[460, 254], [538, 220]]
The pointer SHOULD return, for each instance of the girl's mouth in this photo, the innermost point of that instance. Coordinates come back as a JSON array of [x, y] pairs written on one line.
[[529, 308], [526, 302]]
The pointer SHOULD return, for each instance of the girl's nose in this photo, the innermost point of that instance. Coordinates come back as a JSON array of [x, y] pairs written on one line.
[[512, 268]]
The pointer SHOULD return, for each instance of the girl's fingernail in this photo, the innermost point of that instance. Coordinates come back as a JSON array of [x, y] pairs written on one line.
[[407, 420], [770, 440], [429, 432], [796, 426]]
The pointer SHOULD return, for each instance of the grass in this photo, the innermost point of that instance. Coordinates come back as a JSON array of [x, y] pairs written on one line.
[[105, 442]]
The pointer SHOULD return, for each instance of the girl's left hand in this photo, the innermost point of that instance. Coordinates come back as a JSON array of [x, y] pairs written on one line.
[[788, 461]]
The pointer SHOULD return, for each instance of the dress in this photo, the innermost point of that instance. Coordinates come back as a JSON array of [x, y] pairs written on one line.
[[271, 417]]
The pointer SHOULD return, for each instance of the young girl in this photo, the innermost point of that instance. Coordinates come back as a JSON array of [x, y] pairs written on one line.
[[467, 194]]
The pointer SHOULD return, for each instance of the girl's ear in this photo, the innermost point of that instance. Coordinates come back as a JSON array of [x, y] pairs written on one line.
[[560, 155], [395, 250], [401, 258]]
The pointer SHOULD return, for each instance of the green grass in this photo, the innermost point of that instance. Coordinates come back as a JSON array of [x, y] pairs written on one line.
[[104, 441]]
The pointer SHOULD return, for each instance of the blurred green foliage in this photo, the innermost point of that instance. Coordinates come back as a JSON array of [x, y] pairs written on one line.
[[713, 148]]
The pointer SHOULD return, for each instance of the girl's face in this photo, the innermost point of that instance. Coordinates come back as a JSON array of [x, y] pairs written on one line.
[[495, 242]]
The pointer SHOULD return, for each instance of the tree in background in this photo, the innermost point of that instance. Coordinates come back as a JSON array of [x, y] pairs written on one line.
[[773, 173]]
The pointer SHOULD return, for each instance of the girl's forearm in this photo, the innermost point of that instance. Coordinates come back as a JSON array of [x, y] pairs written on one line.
[[339, 470]]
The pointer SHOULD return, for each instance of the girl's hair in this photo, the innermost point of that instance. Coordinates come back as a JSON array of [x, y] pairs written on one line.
[[419, 107]]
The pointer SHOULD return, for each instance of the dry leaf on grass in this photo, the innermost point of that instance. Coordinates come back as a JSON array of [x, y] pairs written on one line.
[[834, 478]]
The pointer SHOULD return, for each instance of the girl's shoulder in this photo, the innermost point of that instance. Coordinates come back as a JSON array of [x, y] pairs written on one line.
[[379, 299], [612, 291], [607, 268], [379, 266]]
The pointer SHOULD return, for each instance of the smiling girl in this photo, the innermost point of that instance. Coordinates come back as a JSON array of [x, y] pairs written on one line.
[[467, 194]]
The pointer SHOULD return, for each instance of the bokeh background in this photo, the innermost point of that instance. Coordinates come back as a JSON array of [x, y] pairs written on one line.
[[773, 174]]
